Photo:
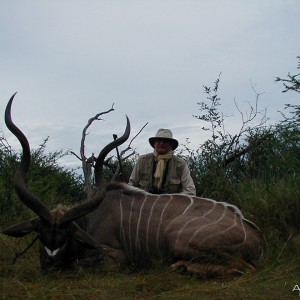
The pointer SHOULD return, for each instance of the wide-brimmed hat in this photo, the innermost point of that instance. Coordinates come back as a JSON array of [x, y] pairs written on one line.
[[165, 134]]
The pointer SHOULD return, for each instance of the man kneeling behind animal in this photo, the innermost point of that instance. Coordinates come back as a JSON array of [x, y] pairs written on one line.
[[162, 172]]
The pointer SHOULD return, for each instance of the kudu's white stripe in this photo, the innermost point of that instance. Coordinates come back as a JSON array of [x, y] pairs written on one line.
[[233, 207], [122, 233], [210, 210], [137, 241], [183, 227], [238, 212], [129, 228], [205, 226], [180, 231], [190, 205], [223, 231], [159, 223], [148, 224], [245, 233]]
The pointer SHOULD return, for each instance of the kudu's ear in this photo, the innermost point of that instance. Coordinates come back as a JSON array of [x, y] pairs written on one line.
[[84, 238], [23, 228]]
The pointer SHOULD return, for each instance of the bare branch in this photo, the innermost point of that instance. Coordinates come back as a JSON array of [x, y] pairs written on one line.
[[137, 135], [89, 123], [76, 155]]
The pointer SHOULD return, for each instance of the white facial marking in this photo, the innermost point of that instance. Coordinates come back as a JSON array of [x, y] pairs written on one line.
[[50, 252]]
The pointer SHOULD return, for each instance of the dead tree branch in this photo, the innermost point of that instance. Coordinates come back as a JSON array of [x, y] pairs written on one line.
[[88, 163]]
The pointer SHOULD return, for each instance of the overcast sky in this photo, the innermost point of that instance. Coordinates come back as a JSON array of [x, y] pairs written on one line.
[[70, 59]]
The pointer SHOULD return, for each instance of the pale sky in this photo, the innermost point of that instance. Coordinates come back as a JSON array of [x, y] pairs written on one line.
[[69, 60]]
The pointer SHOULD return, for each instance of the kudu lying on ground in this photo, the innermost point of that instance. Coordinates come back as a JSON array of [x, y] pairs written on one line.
[[132, 226]]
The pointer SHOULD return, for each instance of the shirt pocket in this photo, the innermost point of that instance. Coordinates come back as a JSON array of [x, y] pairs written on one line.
[[144, 184], [175, 185]]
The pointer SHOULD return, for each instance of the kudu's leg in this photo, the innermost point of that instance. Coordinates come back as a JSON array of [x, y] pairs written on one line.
[[115, 254], [235, 267]]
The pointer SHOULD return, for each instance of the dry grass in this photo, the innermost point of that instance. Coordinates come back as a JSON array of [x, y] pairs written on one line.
[[24, 280]]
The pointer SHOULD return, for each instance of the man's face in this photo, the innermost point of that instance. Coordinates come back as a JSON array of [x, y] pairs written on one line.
[[162, 146]]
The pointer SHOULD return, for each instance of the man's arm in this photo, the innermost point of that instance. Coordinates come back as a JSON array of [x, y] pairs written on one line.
[[188, 186], [134, 177]]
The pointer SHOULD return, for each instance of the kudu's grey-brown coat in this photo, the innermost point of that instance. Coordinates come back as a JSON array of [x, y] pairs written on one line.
[[133, 226]]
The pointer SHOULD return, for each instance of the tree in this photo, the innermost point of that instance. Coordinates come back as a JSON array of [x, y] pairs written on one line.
[[291, 83], [223, 154]]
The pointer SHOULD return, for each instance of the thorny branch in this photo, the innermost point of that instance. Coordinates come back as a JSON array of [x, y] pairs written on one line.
[[224, 147], [237, 153]]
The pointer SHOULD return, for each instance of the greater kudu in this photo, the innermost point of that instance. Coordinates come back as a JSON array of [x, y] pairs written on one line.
[[63, 231], [132, 226]]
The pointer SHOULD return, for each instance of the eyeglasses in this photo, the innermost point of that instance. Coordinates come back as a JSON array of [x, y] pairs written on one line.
[[162, 141]]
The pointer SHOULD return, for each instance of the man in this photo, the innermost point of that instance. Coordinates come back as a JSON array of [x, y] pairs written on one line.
[[162, 172]]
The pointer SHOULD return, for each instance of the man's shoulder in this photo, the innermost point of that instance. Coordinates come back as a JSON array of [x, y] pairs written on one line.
[[178, 159], [145, 156]]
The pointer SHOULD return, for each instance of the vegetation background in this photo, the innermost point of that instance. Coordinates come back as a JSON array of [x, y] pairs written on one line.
[[257, 169]]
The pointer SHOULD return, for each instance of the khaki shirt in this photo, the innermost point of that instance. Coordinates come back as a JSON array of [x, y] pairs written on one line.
[[178, 178]]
